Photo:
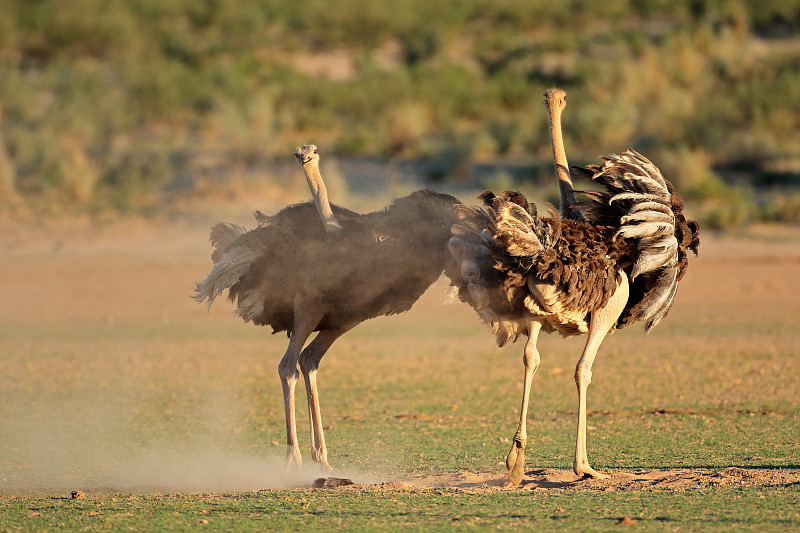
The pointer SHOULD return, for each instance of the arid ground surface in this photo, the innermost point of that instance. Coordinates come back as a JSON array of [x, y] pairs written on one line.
[[114, 379]]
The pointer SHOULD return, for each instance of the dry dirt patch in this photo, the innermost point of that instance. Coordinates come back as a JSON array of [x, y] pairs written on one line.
[[674, 480]]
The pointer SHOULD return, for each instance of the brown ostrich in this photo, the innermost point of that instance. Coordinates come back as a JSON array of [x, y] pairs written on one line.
[[573, 277], [313, 267]]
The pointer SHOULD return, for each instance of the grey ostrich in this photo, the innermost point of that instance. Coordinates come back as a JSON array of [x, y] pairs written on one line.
[[312, 267], [573, 277]]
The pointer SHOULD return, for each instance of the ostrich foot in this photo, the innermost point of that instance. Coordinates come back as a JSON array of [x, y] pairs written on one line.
[[586, 472], [515, 462], [324, 465], [320, 456], [293, 460]]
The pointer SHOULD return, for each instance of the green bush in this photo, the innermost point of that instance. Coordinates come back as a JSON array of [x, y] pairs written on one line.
[[705, 86]]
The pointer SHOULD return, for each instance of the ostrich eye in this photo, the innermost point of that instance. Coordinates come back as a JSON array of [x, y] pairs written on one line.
[[315, 151]]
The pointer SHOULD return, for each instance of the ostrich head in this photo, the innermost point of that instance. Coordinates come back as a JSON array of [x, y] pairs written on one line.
[[555, 100], [306, 154]]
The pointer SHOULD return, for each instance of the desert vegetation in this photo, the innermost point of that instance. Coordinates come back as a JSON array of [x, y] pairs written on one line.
[[136, 101]]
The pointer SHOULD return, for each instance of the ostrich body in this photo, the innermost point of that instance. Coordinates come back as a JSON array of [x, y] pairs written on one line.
[[574, 277], [291, 274]]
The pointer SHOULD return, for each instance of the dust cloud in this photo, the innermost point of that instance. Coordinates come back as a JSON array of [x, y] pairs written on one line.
[[42, 459], [83, 445]]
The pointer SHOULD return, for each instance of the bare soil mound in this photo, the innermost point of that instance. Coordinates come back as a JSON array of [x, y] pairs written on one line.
[[676, 480]]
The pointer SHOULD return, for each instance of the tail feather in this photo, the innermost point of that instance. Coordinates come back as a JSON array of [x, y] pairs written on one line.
[[649, 260], [230, 267], [657, 308], [637, 197], [222, 235], [637, 164], [647, 229], [653, 207], [648, 214], [231, 262]]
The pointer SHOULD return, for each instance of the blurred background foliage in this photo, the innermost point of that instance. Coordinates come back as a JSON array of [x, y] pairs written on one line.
[[124, 102]]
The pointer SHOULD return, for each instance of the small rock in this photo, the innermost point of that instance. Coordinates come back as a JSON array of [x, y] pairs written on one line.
[[76, 494], [626, 521], [331, 482]]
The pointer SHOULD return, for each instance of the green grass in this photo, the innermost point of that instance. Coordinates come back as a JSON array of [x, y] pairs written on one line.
[[703, 509], [408, 417], [164, 418]]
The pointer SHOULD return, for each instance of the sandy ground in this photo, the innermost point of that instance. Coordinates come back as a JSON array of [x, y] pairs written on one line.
[[81, 270], [547, 479]]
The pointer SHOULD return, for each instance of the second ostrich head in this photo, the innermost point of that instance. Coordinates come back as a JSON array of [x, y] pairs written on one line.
[[555, 100], [306, 154]]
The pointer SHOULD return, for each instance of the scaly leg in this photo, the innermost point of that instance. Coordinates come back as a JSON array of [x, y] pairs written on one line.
[[309, 365], [599, 326], [306, 317], [515, 462]]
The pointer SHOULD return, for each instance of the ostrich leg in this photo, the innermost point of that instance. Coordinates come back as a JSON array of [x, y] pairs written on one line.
[[515, 462], [307, 315], [599, 325], [309, 366]]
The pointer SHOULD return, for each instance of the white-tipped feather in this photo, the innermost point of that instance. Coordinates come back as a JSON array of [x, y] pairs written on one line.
[[664, 306], [648, 166], [649, 184], [648, 216], [649, 222], [658, 306], [642, 165], [647, 229], [650, 262], [652, 206], [638, 197], [668, 242]]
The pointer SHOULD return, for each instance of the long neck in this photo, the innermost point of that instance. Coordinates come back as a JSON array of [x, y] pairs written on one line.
[[568, 205], [320, 194]]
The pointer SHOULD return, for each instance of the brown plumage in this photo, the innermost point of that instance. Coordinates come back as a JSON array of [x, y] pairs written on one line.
[[573, 277]]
